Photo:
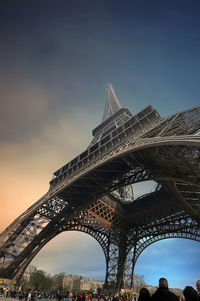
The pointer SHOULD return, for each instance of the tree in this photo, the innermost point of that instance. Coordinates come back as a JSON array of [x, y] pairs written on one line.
[[58, 281], [138, 282], [40, 282]]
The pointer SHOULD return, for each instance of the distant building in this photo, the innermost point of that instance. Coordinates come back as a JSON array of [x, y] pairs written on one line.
[[80, 283]]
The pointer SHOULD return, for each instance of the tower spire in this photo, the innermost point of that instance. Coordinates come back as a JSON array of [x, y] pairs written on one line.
[[112, 104]]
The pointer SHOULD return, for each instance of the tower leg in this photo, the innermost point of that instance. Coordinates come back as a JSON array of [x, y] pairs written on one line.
[[121, 260], [111, 266]]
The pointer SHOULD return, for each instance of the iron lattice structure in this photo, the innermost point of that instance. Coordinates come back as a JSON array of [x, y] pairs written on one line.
[[93, 192]]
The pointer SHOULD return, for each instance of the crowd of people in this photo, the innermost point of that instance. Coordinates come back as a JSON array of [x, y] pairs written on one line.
[[164, 294], [161, 294]]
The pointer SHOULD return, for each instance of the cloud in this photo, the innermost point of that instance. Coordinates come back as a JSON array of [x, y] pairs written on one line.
[[23, 107], [78, 253], [142, 188], [27, 164]]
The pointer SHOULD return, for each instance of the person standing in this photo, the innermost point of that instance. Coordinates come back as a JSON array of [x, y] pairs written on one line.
[[163, 293]]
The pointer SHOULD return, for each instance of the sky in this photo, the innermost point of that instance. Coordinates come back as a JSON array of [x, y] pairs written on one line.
[[55, 59]]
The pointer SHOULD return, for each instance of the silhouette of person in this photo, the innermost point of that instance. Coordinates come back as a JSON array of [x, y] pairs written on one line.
[[144, 295], [190, 294], [163, 293]]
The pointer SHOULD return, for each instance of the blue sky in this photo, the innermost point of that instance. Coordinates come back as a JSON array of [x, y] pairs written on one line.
[[56, 58]]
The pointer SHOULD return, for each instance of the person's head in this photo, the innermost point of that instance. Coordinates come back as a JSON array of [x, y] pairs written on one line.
[[198, 285], [163, 282], [190, 294], [144, 294], [144, 291]]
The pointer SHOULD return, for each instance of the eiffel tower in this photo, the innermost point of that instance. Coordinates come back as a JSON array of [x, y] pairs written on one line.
[[94, 193]]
